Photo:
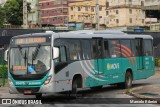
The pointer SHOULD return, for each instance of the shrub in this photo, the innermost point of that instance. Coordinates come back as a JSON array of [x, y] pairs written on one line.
[[157, 62], [5, 70]]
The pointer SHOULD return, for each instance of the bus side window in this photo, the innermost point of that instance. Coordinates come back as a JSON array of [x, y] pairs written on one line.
[[139, 47], [114, 49], [126, 48], [97, 48], [74, 49], [148, 51], [106, 49], [86, 47], [94, 48], [133, 48], [63, 54]]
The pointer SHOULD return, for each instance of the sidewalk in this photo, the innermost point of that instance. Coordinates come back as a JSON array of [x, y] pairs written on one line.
[[4, 92], [146, 92]]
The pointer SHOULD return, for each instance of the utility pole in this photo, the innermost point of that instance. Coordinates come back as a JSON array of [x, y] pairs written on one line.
[[25, 16], [97, 14]]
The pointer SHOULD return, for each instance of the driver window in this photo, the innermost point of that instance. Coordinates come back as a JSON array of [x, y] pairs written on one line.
[[63, 54]]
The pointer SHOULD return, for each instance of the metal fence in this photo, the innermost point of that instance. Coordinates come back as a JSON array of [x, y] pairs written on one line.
[[3, 68]]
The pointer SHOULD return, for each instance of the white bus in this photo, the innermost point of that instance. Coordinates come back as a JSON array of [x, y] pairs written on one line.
[[58, 62]]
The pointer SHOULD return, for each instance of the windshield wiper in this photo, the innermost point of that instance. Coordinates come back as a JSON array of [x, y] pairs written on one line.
[[24, 56], [35, 53]]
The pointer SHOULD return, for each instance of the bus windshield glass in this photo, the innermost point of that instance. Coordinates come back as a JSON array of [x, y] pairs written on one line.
[[30, 60]]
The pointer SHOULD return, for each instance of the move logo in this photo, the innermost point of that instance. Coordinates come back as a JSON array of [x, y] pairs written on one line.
[[113, 66]]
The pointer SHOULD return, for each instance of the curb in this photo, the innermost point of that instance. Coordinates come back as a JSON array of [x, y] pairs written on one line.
[[131, 92], [143, 97]]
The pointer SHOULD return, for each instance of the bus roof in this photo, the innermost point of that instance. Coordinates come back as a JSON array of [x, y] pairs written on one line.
[[89, 34], [102, 34]]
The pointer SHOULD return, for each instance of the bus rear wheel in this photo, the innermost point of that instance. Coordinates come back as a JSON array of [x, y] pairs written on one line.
[[39, 96], [128, 81]]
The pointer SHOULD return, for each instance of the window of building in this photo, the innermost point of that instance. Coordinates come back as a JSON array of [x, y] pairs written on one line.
[[107, 13], [92, 9], [130, 20], [42, 11], [116, 11], [47, 11], [117, 20], [142, 20], [114, 48], [79, 9], [79, 17], [86, 8], [86, 48], [64, 2], [100, 8], [71, 8], [47, 3], [72, 16], [148, 51], [107, 4], [100, 17], [130, 11]]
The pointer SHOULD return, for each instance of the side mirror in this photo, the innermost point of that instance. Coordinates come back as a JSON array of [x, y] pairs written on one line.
[[6, 55], [55, 52]]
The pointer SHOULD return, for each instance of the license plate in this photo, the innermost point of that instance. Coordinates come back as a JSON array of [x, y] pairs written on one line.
[[27, 92]]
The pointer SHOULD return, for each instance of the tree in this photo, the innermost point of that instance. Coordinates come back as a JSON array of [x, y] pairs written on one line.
[[2, 17], [14, 12]]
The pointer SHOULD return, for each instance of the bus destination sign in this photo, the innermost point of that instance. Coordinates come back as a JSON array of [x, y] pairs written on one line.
[[30, 40]]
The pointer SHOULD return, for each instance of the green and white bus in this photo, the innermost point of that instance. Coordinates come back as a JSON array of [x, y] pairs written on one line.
[[68, 61]]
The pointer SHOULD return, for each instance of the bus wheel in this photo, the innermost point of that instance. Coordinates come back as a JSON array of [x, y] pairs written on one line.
[[74, 88], [128, 82], [39, 96]]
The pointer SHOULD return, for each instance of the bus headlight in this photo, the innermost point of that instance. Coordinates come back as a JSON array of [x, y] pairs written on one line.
[[10, 82], [48, 80]]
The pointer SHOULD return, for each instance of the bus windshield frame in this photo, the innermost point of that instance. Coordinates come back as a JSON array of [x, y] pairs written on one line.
[[31, 58]]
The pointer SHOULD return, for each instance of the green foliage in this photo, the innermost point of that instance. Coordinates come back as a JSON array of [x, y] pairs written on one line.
[[12, 12], [2, 17], [157, 62], [5, 71]]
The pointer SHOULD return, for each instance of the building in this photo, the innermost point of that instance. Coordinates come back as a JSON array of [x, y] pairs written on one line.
[[125, 13], [152, 9], [53, 12], [33, 15], [83, 14], [151, 5]]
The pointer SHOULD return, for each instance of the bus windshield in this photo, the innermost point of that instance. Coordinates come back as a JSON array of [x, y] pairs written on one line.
[[30, 60]]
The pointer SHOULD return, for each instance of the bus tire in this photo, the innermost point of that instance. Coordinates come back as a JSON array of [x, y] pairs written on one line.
[[128, 81], [74, 88], [39, 96]]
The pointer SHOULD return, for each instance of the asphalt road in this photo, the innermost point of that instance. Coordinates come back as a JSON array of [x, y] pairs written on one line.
[[105, 97]]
